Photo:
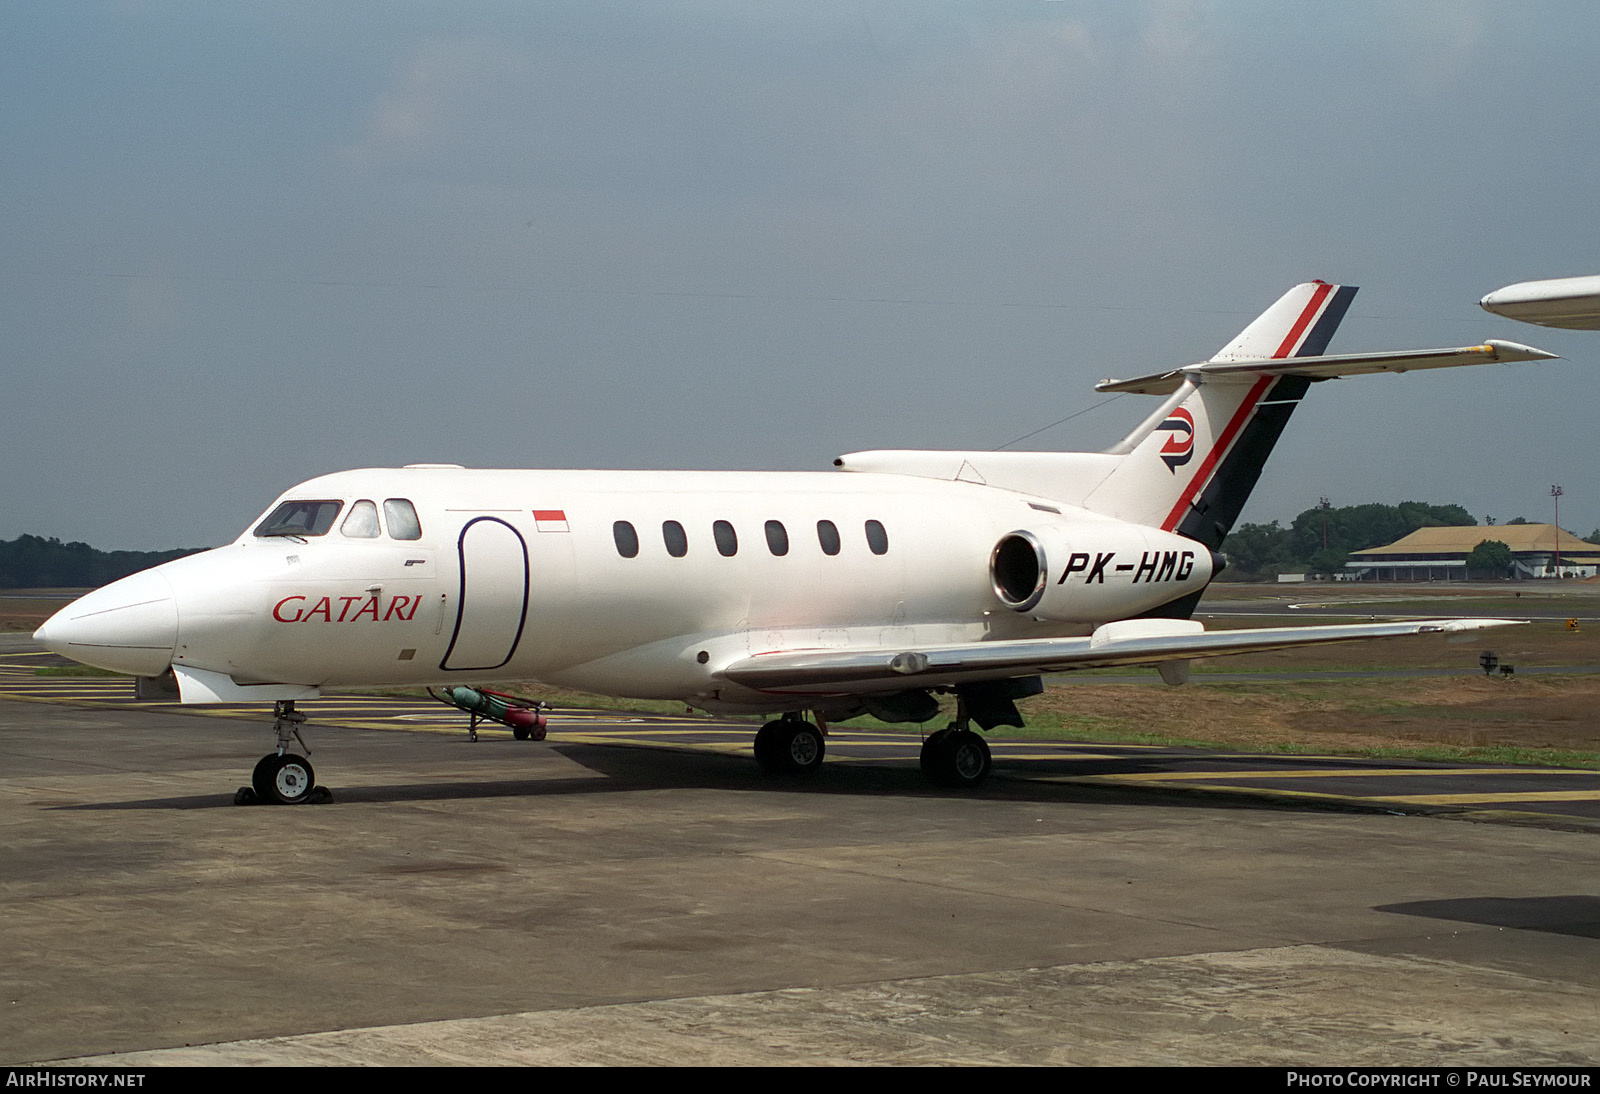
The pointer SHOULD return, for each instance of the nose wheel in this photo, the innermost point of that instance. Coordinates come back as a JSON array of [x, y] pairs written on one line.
[[285, 780], [282, 777]]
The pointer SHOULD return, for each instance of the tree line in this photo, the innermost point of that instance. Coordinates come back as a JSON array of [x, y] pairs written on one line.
[[32, 562], [1320, 541]]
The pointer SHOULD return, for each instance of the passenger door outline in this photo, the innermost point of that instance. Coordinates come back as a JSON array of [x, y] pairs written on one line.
[[498, 562]]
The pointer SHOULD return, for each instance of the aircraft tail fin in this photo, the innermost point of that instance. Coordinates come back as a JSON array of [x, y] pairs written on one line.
[[1190, 466], [1300, 324]]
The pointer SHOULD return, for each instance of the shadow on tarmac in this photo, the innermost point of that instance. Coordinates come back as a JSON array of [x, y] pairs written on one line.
[[626, 768]]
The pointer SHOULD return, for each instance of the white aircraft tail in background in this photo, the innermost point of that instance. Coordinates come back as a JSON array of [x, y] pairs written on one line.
[[795, 593]]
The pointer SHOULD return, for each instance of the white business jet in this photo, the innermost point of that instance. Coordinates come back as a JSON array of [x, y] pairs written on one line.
[[792, 593]]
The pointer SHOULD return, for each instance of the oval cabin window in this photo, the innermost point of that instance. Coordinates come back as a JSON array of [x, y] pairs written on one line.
[[627, 539], [676, 539], [777, 537], [877, 538], [828, 537]]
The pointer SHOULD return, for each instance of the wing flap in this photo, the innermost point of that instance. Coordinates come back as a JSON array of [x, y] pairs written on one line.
[[898, 668]]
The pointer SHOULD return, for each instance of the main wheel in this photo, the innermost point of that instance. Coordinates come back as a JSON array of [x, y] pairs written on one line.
[[285, 779], [960, 759], [930, 751], [767, 745], [789, 748]]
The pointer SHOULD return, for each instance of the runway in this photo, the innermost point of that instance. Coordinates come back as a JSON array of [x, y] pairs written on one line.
[[635, 892]]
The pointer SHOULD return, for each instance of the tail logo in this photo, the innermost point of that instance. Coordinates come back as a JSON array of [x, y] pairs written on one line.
[[1179, 446]]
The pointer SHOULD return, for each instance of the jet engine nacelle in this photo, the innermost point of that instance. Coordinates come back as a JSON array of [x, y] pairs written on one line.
[[1090, 573]]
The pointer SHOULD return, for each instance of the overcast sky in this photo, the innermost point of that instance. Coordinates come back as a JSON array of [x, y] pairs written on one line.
[[246, 244]]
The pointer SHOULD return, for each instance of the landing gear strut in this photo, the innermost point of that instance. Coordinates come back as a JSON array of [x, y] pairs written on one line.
[[281, 777], [789, 746]]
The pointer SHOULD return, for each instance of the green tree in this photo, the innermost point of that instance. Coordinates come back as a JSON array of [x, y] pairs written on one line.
[[1358, 527], [1490, 559], [1257, 552], [32, 562]]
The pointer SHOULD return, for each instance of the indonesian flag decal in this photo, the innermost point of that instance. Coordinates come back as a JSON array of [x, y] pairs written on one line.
[[550, 520]]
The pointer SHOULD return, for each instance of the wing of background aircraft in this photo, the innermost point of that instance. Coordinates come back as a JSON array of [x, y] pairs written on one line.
[[1167, 643], [1570, 302]]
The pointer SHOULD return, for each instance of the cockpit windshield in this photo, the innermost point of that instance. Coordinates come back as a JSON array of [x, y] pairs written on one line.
[[300, 518]]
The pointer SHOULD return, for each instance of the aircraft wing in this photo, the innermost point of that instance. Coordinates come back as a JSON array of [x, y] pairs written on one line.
[[1128, 642], [1571, 302]]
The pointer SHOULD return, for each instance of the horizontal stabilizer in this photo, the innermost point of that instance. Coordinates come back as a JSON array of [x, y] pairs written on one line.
[[1130, 642], [1329, 366]]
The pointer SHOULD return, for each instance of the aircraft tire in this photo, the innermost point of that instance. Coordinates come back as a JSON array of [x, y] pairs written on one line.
[[961, 760], [766, 747], [259, 778], [522, 733], [285, 780], [789, 748], [930, 751]]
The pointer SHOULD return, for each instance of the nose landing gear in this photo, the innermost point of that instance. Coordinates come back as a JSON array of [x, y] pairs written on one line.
[[281, 777]]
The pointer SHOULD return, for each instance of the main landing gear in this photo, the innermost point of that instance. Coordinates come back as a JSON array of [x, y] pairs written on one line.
[[281, 777], [790, 746], [956, 756]]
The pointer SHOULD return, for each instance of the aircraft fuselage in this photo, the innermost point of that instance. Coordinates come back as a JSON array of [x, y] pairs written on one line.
[[646, 583]]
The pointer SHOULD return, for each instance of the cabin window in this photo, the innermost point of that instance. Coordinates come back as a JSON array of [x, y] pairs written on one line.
[[300, 518], [401, 518], [362, 523], [777, 537], [727, 539], [877, 538], [828, 537], [676, 539], [627, 539]]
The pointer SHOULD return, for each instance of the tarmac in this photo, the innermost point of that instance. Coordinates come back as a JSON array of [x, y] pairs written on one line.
[[633, 891]]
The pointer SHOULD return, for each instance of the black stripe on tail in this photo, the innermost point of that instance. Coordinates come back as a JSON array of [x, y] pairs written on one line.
[[1316, 343]]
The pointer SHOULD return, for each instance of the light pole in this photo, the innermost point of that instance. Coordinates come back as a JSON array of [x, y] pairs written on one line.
[[1556, 492]]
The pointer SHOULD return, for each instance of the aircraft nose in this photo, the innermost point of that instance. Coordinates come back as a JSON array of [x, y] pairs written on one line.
[[128, 626]]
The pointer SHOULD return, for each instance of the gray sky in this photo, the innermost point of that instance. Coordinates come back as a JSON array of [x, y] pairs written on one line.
[[245, 244]]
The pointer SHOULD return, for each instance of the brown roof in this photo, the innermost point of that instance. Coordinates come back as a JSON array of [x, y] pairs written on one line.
[[1521, 538]]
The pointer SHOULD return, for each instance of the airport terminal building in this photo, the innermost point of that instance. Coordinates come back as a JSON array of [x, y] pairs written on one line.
[[1440, 554]]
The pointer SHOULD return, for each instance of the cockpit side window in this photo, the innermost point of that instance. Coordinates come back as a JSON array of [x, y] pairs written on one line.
[[300, 518], [401, 517], [362, 523]]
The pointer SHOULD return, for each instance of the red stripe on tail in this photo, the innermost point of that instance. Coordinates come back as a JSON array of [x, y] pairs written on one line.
[[1306, 316], [1240, 416]]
